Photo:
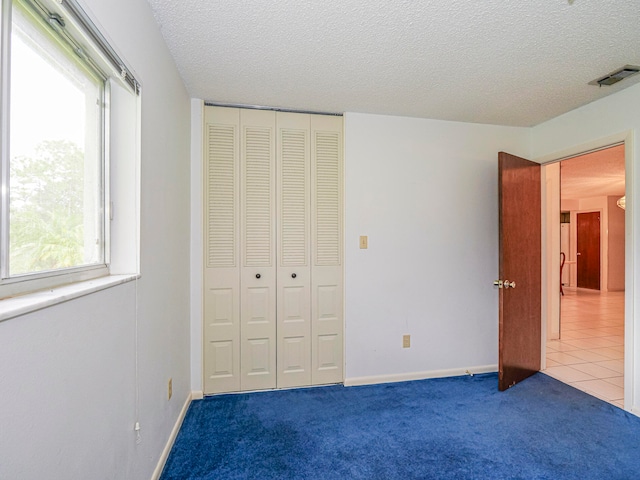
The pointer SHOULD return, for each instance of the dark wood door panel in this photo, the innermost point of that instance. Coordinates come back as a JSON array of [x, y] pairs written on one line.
[[520, 262], [588, 246]]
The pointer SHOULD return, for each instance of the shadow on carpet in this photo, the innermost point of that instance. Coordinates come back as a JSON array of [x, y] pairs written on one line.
[[446, 428]]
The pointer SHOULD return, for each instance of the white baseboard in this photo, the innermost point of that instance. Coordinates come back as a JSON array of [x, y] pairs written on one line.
[[172, 438], [197, 395], [403, 377]]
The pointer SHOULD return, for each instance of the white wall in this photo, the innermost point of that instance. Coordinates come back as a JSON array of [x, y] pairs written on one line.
[[612, 118], [67, 373], [426, 194]]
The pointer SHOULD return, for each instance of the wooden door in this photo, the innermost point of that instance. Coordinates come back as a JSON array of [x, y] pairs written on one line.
[[294, 233], [221, 329], [588, 246], [326, 232], [520, 266], [258, 247]]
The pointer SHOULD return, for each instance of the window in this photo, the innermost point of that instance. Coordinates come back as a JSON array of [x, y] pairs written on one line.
[[59, 81]]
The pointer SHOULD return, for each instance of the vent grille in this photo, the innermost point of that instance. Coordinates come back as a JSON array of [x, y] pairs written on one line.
[[616, 76]]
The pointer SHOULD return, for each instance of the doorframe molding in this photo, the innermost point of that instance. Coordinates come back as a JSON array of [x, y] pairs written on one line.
[[631, 323]]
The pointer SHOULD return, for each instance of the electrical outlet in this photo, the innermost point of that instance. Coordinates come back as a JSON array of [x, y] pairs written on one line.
[[364, 241], [170, 389], [406, 341]]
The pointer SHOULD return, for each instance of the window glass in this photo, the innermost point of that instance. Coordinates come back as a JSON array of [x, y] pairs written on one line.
[[55, 153]]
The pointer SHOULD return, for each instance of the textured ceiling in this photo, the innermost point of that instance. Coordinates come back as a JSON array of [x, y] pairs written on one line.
[[593, 175], [496, 61]]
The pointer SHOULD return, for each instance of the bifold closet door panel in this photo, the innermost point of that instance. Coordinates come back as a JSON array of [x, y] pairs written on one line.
[[221, 187], [258, 250], [294, 237], [326, 271]]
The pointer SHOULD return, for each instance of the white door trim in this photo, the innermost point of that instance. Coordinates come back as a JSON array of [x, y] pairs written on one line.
[[631, 271]]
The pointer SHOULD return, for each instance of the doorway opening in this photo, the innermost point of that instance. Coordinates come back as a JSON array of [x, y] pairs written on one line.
[[586, 347]]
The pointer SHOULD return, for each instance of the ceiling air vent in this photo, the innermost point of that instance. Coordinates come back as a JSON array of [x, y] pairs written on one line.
[[616, 76]]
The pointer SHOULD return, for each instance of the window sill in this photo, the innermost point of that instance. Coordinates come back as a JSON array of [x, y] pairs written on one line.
[[30, 302]]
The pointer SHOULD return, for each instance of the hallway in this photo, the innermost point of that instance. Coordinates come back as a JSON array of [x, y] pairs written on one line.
[[590, 353]]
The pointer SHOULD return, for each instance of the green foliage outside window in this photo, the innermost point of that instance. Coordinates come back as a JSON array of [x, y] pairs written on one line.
[[46, 208]]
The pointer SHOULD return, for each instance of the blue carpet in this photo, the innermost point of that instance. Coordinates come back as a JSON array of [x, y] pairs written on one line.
[[446, 428]]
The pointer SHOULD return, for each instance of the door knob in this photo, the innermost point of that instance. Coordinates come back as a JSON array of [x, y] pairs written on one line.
[[257, 275], [509, 285], [293, 275]]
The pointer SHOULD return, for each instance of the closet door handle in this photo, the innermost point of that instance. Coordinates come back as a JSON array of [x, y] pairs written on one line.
[[257, 275], [293, 275]]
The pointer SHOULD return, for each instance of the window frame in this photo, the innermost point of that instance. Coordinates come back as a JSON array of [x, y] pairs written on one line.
[[80, 28]]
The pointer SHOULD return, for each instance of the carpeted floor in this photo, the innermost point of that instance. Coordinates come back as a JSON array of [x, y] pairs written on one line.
[[447, 428]]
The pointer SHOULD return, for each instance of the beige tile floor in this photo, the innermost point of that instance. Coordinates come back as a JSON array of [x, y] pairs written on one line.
[[590, 352]]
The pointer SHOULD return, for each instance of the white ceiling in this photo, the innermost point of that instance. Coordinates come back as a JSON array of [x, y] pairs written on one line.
[[595, 174], [496, 61]]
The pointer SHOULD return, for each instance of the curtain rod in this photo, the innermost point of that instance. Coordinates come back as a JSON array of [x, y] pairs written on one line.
[[275, 109], [80, 16]]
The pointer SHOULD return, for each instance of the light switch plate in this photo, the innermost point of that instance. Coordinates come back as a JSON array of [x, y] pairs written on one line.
[[364, 241]]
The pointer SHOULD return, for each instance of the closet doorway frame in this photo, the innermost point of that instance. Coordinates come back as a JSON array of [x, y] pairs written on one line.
[[196, 254]]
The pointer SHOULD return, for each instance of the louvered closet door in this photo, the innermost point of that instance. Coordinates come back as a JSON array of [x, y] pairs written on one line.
[[258, 247], [294, 242], [273, 250], [221, 240], [326, 273]]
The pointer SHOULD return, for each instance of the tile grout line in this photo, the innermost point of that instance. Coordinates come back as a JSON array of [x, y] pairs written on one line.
[[583, 335]]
